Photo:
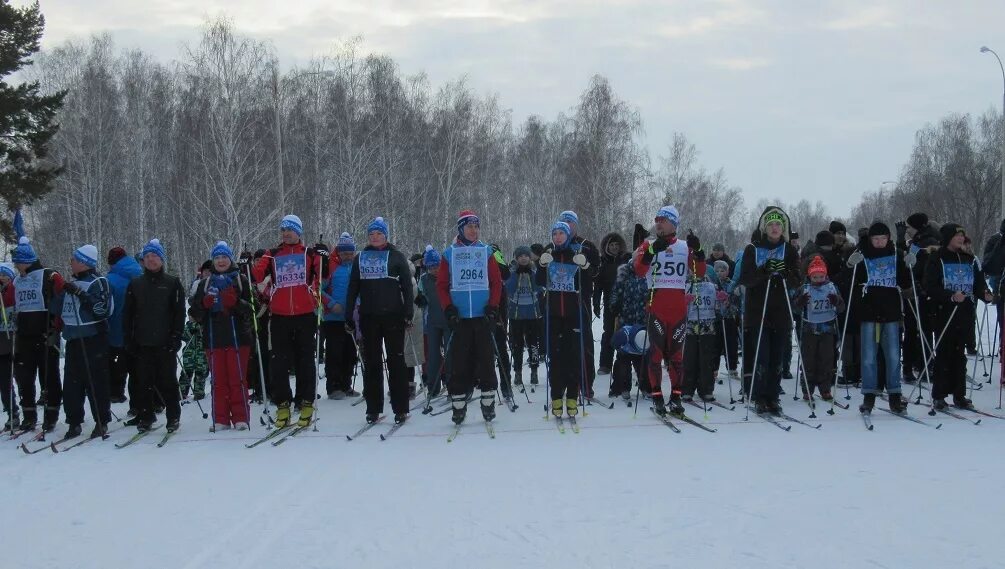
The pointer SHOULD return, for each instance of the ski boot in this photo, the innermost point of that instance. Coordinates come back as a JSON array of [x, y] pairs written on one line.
[[658, 405], [533, 375], [557, 407], [242, 426], [173, 424], [371, 418], [687, 398], [282, 415], [73, 431], [183, 393], [897, 404], [400, 418], [961, 402], [133, 421], [460, 405], [49, 420], [940, 404], [217, 427], [760, 406], [306, 414], [826, 395], [99, 430], [674, 406], [12, 421], [337, 395], [488, 411], [868, 402], [571, 407], [143, 425], [707, 398], [774, 407]]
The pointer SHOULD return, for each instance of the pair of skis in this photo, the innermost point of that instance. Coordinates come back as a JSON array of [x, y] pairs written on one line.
[[489, 429], [665, 419], [573, 424]]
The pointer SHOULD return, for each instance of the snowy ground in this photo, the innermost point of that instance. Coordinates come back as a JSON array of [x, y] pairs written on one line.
[[625, 492]]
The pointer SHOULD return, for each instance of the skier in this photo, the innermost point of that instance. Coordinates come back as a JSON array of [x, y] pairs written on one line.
[[340, 352], [434, 323], [768, 268], [153, 322], [381, 280], [222, 305], [953, 283], [122, 269], [628, 305], [700, 343], [920, 235], [877, 293], [727, 330], [194, 368], [613, 255], [565, 276], [36, 342], [84, 305], [820, 303], [469, 286], [524, 312], [500, 327], [588, 249], [667, 263], [10, 407], [295, 272]]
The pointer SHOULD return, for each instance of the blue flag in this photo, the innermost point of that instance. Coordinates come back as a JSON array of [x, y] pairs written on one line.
[[18, 224]]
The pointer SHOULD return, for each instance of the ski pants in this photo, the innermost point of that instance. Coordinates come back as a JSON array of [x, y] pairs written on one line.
[[230, 394], [293, 344], [766, 382], [340, 356], [194, 371], [666, 343], [621, 373], [502, 357], [565, 356], [525, 334], [258, 377], [86, 373], [32, 358], [157, 382], [119, 364], [727, 343], [700, 352], [912, 355], [380, 333], [606, 349], [437, 360], [818, 360], [472, 357], [950, 366]]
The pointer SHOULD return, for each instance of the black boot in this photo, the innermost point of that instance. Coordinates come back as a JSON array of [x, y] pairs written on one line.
[[460, 404], [897, 403], [49, 420], [143, 425], [774, 407], [961, 402], [761, 407], [74, 431], [100, 430], [172, 425], [868, 402], [400, 418], [940, 403], [371, 418], [658, 405], [675, 406], [488, 406]]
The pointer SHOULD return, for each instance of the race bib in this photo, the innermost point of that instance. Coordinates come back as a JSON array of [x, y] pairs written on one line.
[[762, 255], [669, 268], [703, 305], [291, 270], [881, 272], [562, 277], [915, 249], [958, 277], [469, 269], [524, 294], [373, 265], [820, 309], [28, 292]]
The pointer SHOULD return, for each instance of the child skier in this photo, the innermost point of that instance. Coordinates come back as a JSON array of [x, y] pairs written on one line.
[[729, 315], [820, 303], [434, 323], [627, 304], [524, 314], [194, 369], [340, 348], [700, 346]]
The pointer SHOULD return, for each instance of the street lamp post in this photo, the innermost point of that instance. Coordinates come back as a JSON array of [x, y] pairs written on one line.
[[986, 49]]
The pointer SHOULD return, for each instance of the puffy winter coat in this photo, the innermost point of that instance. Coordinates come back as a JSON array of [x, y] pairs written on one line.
[[86, 314], [119, 275], [154, 314], [294, 271], [335, 291], [387, 295], [608, 270], [759, 283]]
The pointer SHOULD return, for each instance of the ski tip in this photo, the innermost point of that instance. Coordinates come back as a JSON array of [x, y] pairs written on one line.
[[939, 426], [383, 438], [977, 422], [869, 427]]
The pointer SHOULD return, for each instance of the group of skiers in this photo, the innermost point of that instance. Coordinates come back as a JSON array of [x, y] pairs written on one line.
[[456, 316]]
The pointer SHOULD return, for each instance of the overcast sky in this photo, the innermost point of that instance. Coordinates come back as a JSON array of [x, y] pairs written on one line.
[[817, 99]]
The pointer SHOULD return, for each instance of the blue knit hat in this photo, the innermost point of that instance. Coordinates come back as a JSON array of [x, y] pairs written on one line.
[[87, 254], [564, 228], [292, 223], [345, 244], [8, 269], [378, 224], [431, 257], [221, 248], [155, 247], [569, 216], [670, 213], [23, 253]]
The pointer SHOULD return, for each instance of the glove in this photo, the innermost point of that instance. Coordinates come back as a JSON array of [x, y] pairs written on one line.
[[228, 298], [910, 259], [775, 265], [421, 301], [855, 258], [901, 230], [322, 250], [721, 296], [802, 300], [693, 242], [350, 326], [688, 298], [70, 287], [833, 299], [453, 318], [580, 259], [492, 314], [660, 245], [545, 259]]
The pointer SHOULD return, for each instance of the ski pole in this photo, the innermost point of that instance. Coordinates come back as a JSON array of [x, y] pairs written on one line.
[[921, 337], [317, 336], [240, 372], [844, 334], [547, 338], [931, 358], [93, 398], [645, 356], [258, 352], [11, 337], [495, 348], [446, 354], [583, 393], [181, 366], [757, 351], [212, 371], [725, 342], [799, 346], [995, 345]]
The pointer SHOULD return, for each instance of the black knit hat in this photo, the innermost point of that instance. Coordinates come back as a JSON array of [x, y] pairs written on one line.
[[206, 266], [824, 239], [917, 220], [537, 249], [950, 230], [837, 227], [879, 228]]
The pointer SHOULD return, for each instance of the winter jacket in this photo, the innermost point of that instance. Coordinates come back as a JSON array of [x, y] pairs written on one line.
[[667, 304], [470, 303], [879, 280], [523, 294], [85, 314], [589, 250], [923, 243], [962, 268], [993, 259], [33, 294], [628, 297], [608, 270], [388, 291], [301, 269], [562, 279], [7, 321], [224, 313], [119, 275], [334, 291], [759, 282], [819, 312], [429, 300], [194, 344], [154, 311]]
